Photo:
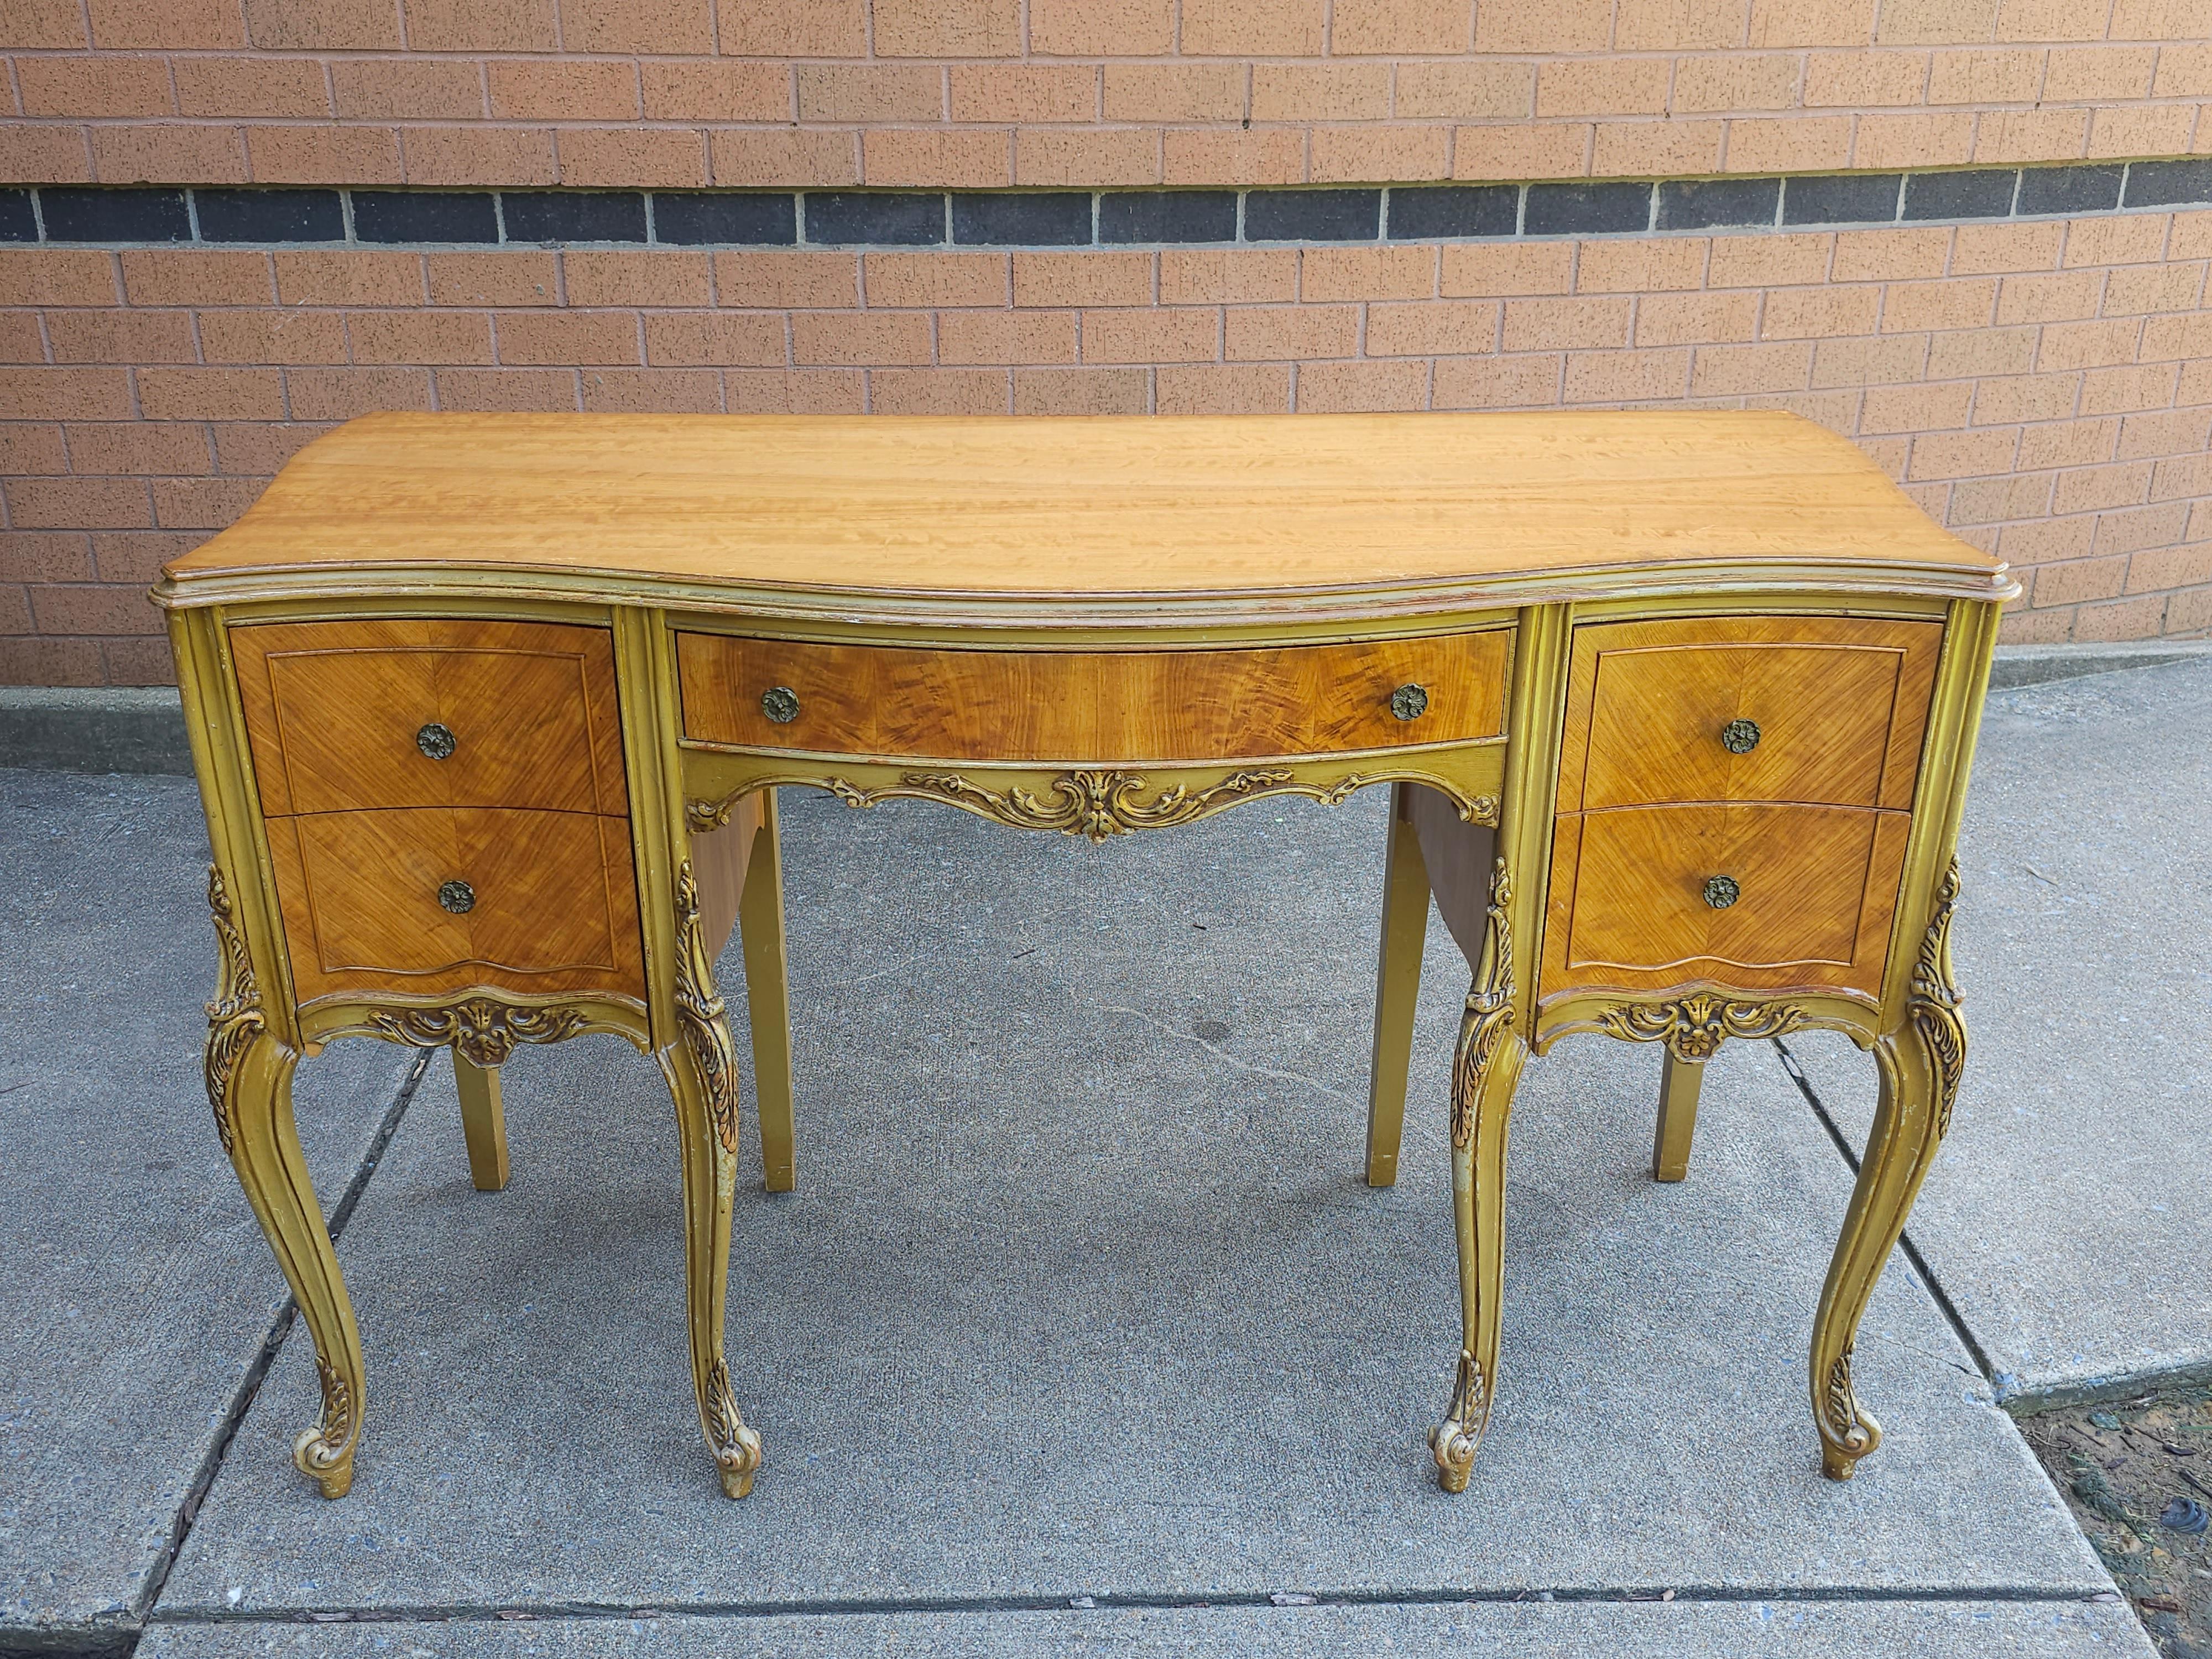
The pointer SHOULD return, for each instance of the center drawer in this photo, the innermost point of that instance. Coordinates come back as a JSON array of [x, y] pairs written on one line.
[[1153, 706]]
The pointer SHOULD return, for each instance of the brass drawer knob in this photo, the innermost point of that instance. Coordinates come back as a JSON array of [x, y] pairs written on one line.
[[457, 896], [435, 740], [1721, 891], [780, 704], [1410, 702], [1740, 737]]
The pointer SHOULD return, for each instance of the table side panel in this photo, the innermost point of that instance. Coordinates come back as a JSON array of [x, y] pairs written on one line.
[[1075, 707]]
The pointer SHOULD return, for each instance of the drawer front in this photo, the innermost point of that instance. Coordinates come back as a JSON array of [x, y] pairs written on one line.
[[1092, 706], [552, 900], [337, 714], [1821, 709], [1632, 902]]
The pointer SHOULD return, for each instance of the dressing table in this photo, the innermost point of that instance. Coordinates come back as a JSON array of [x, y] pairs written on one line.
[[489, 712]]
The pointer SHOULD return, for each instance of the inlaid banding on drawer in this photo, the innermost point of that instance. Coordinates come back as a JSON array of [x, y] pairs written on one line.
[[1139, 706], [1758, 896], [432, 898], [394, 713], [1827, 710]]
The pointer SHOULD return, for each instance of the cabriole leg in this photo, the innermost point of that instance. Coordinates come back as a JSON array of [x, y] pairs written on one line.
[[767, 998], [1397, 988], [484, 1122], [250, 1086], [1679, 1081], [702, 1077], [1920, 1063], [1486, 1067]]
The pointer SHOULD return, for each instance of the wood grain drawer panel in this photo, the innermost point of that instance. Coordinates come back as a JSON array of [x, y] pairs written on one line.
[[1087, 706], [1840, 703], [333, 708], [556, 900], [1627, 906]]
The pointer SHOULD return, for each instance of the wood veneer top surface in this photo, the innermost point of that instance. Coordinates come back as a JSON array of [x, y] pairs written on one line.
[[1098, 505]]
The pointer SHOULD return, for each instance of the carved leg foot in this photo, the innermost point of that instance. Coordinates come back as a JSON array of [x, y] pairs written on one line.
[[1920, 1064], [702, 1077], [1485, 1068]]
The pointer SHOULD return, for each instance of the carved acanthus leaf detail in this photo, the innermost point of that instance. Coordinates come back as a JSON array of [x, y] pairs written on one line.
[[234, 1017], [326, 1448], [1453, 1441], [1489, 1014], [736, 1449], [1095, 803], [484, 1029], [1692, 1028], [1850, 1429], [700, 1012], [1932, 1004]]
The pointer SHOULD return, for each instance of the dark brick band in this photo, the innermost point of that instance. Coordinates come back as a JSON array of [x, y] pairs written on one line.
[[137, 216]]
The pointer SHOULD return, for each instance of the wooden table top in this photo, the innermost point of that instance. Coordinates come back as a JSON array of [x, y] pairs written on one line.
[[1066, 509]]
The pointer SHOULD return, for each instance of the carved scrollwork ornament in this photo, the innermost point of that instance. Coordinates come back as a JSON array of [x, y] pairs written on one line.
[[1932, 1004], [234, 1017], [702, 1013], [1489, 1014], [325, 1451], [736, 1449], [1095, 803], [1850, 1433], [1453, 1441], [1693, 1028], [483, 1029]]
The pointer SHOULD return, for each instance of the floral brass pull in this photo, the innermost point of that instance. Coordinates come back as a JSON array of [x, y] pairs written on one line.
[[780, 704], [1410, 702], [457, 896], [1721, 891], [435, 740], [1740, 737]]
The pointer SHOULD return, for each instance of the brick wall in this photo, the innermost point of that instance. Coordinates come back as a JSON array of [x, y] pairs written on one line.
[[2041, 385]]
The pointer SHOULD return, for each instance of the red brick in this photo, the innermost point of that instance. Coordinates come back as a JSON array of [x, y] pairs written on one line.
[[1999, 399], [778, 280], [78, 504], [686, 340], [351, 278], [122, 337], [2088, 345], [940, 392], [1734, 370], [1167, 334], [479, 155], [1816, 313], [1320, 92], [339, 394], [20, 340], [1887, 409], [28, 449], [768, 157], [408, 89], [1618, 377], [1664, 320], [1294, 333], [1405, 272], [2067, 443], [45, 557], [2169, 432], [658, 278], [50, 662], [323, 25], [421, 337], [2135, 528], [1222, 275], [1952, 304], [66, 394], [1551, 325], [2143, 288], [653, 158], [934, 279], [482, 26], [324, 155], [272, 336], [1174, 92], [2129, 388], [653, 391], [159, 152], [1094, 29], [1253, 28], [2075, 580], [1016, 93], [831, 392], [860, 339], [516, 278], [1082, 391], [1082, 279], [1480, 90], [211, 394], [551, 337], [1885, 362], [56, 277], [244, 87], [795, 28], [563, 91], [203, 503], [94, 609], [1221, 389], [1361, 387], [956, 157], [91, 88], [178, 25], [44, 155], [526, 390], [261, 447], [1473, 271], [871, 92], [138, 662], [1965, 454], [1222, 159], [1440, 328], [1006, 336], [717, 91], [948, 28], [36, 25], [660, 27], [1633, 267], [136, 557]]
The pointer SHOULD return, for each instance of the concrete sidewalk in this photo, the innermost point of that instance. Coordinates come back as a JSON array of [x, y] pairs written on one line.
[[1081, 1296]]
